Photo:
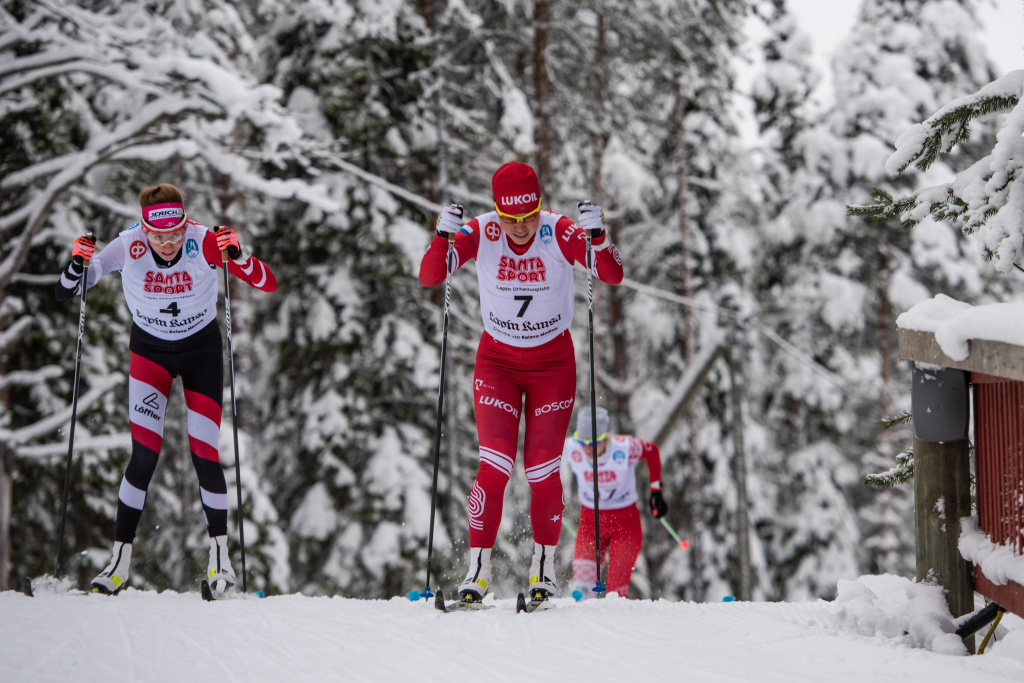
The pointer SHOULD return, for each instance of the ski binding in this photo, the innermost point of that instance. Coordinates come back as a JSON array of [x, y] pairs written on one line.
[[538, 602], [461, 605]]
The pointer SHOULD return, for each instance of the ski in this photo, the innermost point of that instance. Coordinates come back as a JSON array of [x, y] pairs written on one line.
[[538, 602], [48, 585], [458, 605], [211, 595]]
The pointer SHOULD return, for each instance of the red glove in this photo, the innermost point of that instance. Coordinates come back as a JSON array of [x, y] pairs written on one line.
[[83, 249], [227, 241]]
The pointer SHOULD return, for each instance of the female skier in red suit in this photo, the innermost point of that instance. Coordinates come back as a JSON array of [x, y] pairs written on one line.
[[525, 362]]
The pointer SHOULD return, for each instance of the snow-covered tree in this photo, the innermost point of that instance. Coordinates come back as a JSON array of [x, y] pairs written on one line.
[[100, 100], [844, 280]]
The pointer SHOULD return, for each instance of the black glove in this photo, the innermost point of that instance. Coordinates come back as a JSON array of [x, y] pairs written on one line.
[[659, 508]]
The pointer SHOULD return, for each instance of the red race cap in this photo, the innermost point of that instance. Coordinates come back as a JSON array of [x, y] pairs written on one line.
[[516, 189]]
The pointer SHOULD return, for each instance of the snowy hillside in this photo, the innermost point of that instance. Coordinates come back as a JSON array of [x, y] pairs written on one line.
[[879, 628]]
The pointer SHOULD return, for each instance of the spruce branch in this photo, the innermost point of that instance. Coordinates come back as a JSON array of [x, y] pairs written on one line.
[[885, 208], [898, 475], [952, 127], [894, 421]]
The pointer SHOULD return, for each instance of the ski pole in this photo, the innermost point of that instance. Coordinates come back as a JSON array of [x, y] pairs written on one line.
[[74, 414], [449, 262], [234, 415], [683, 543], [599, 587]]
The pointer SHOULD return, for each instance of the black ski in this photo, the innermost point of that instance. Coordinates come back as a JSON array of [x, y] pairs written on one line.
[[26, 587], [206, 591], [458, 605], [538, 602]]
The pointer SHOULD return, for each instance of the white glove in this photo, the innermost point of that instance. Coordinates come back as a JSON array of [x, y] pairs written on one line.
[[592, 219], [449, 221]]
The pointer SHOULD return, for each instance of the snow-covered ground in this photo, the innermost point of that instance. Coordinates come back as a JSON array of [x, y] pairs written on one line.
[[879, 628]]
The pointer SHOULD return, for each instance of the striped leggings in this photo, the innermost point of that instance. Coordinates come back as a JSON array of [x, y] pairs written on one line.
[[199, 361]]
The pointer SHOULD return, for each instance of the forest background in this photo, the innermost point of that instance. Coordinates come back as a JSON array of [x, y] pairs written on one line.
[[328, 132]]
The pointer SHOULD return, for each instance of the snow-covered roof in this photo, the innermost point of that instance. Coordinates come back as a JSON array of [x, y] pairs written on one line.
[[987, 338]]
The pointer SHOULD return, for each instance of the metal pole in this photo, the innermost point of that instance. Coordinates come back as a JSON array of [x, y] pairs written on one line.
[[599, 587], [74, 414], [234, 416], [449, 261]]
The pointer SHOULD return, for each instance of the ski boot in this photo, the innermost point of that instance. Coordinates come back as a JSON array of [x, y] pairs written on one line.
[[112, 579], [474, 587], [219, 576]]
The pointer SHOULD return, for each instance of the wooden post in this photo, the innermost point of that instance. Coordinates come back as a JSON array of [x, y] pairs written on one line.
[[942, 481], [942, 496]]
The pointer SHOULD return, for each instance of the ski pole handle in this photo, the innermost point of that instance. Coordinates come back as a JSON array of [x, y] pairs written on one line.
[[459, 210], [86, 262], [683, 543]]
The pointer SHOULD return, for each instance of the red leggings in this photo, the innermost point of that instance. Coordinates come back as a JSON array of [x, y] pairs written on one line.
[[621, 538], [546, 376]]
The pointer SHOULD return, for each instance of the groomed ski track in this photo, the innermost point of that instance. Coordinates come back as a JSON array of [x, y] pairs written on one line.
[[146, 636]]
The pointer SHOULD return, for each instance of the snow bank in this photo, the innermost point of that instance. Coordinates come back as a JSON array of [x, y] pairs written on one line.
[[999, 563], [880, 628], [895, 607], [955, 323]]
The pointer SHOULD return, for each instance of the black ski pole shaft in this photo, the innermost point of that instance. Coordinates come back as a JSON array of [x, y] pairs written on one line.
[[74, 415], [449, 262], [234, 417], [599, 587]]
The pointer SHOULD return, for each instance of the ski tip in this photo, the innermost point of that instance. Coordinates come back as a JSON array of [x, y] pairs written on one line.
[[204, 589], [439, 601], [577, 595], [26, 587], [520, 603]]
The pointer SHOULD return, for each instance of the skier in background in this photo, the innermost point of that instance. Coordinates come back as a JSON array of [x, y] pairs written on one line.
[[524, 263], [619, 517], [168, 267]]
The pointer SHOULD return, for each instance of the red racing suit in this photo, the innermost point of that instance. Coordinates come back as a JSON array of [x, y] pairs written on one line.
[[526, 352], [621, 533]]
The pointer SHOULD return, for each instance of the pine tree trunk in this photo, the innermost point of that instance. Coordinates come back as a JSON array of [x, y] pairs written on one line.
[[885, 328], [6, 491], [441, 187], [541, 91], [739, 466], [696, 479]]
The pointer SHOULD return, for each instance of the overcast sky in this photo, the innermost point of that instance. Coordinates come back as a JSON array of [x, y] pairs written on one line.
[[828, 21]]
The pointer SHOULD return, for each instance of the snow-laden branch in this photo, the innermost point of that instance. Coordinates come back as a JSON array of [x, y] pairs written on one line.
[[26, 378], [103, 145], [988, 198], [41, 61], [10, 335], [19, 437], [104, 442]]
